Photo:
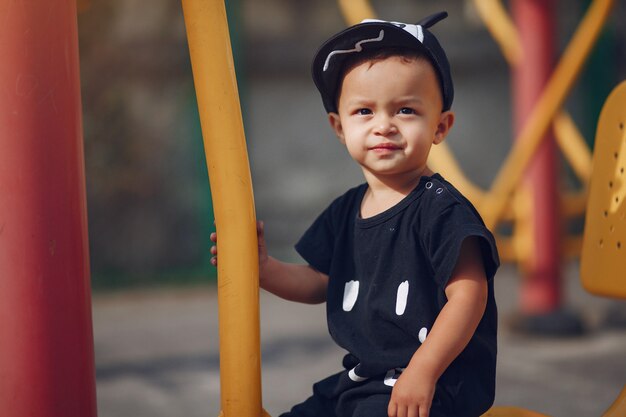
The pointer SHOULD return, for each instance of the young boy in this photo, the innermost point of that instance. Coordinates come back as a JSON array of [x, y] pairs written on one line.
[[403, 261]]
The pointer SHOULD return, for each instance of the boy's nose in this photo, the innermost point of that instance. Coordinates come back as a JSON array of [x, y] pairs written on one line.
[[384, 126]]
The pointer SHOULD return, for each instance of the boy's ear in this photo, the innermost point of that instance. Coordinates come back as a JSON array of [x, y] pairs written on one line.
[[446, 120], [335, 123]]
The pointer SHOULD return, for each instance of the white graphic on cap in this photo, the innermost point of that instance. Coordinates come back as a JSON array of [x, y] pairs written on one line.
[[422, 334], [356, 378], [357, 48], [415, 30], [350, 294], [402, 297]]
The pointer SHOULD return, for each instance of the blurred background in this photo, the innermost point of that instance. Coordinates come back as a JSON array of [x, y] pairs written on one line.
[[148, 196], [149, 201]]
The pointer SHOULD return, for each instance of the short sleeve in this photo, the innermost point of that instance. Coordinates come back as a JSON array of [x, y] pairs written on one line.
[[443, 235], [321, 242], [316, 244]]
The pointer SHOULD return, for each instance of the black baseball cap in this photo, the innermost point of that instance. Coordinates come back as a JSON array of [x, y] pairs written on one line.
[[373, 35]]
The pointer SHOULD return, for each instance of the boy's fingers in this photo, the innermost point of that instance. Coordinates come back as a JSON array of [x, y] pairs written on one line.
[[260, 231], [213, 237], [214, 261], [213, 250]]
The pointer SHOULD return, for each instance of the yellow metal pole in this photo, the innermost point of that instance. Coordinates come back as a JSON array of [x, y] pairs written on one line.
[[354, 11], [502, 28], [573, 146], [568, 137], [233, 203], [541, 117]]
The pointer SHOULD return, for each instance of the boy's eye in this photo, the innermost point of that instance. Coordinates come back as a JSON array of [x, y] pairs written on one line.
[[406, 110], [363, 112]]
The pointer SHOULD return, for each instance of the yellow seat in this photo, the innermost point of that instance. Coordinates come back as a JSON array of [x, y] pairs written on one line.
[[512, 412], [604, 242], [618, 408]]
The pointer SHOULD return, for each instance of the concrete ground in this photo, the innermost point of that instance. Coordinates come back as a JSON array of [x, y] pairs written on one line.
[[157, 354]]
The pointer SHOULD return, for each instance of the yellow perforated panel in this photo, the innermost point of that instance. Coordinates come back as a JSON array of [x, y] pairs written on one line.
[[603, 258]]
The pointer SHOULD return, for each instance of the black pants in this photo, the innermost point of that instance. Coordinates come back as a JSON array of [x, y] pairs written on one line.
[[339, 396]]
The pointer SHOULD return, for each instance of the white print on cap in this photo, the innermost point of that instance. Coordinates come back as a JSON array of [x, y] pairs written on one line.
[[415, 30], [350, 294], [422, 334], [357, 48], [401, 298]]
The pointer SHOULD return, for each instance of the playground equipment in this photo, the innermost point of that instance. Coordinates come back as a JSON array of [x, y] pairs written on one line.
[[605, 226], [540, 250], [604, 244], [46, 342], [233, 205]]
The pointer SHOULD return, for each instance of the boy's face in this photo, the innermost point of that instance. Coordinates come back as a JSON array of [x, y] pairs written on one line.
[[390, 115]]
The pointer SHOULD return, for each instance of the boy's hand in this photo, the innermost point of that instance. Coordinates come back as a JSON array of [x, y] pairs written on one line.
[[260, 230], [295, 282], [412, 395]]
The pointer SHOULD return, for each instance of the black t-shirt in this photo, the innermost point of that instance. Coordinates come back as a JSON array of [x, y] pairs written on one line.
[[388, 275]]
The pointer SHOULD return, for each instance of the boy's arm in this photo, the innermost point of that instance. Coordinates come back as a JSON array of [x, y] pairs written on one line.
[[301, 283], [467, 298], [293, 282]]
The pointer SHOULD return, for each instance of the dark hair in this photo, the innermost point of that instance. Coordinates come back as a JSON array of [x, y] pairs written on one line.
[[380, 55]]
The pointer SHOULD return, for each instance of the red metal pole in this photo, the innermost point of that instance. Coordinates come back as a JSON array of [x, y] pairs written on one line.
[[46, 341], [540, 291]]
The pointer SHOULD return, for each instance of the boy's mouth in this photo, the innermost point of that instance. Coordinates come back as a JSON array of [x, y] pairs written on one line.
[[385, 147]]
